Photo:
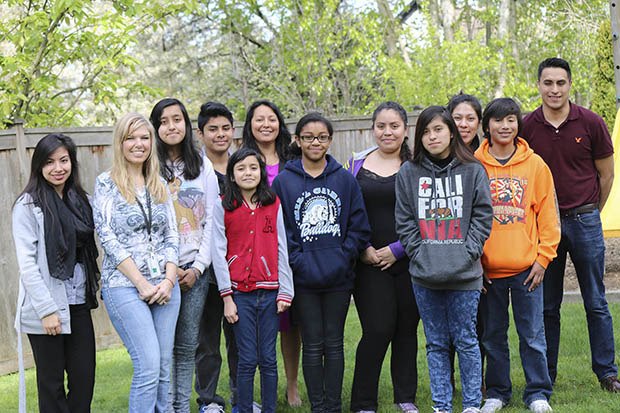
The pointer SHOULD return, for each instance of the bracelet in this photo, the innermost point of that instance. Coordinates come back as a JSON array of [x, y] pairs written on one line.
[[171, 282]]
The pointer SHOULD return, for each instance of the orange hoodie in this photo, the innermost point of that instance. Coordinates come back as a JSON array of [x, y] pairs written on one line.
[[526, 223]]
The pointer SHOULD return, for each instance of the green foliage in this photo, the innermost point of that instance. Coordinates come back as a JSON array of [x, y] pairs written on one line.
[[70, 62], [440, 71], [604, 87], [60, 58]]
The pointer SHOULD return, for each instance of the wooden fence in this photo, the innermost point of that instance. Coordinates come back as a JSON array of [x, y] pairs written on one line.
[[95, 156]]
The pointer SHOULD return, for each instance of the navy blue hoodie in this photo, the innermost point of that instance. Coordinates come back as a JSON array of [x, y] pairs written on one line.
[[326, 225]]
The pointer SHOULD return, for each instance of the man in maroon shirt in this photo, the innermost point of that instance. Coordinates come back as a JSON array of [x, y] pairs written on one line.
[[576, 145]]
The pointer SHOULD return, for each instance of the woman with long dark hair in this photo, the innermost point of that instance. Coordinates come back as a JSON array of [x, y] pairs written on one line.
[[194, 190], [53, 232], [383, 295]]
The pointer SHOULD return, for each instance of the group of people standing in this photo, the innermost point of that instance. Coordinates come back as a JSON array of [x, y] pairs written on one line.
[[279, 236]]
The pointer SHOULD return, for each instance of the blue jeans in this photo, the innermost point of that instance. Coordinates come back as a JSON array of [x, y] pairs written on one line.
[[449, 318], [185, 344], [148, 333], [527, 309], [256, 333], [208, 357], [582, 238]]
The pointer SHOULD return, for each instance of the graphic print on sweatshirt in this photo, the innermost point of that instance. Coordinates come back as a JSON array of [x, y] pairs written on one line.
[[440, 208], [317, 213], [189, 209], [507, 195]]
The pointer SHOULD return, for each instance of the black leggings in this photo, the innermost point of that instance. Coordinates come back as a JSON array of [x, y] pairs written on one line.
[[388, 313], [73, 353], [322, 317]]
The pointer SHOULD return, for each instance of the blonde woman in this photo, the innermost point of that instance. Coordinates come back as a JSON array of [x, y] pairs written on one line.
[[136, 225]]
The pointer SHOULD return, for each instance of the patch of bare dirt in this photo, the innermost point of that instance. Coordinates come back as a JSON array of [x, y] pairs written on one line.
[[612, 268]]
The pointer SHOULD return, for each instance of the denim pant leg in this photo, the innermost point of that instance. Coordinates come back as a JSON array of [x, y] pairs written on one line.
[[495, 341], [208, 357], [462, 312], [185, 343], [268, 323], [527, 308], [587, 251], [553, 291], [233, 359], [148, 334], [432, 305], [165, 320], [247, 343]]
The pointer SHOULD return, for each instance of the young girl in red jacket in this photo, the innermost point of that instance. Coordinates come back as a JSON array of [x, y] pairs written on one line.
[[250, 261]]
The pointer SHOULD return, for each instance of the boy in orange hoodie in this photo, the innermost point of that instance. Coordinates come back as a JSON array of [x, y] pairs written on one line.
[[523, 241]]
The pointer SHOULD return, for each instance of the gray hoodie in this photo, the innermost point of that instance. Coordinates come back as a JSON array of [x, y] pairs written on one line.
[[443, 217]]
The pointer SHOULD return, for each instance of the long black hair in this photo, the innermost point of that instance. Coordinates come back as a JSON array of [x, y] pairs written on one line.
[[38, 187], [498, 109], [283, 140], [405, 150], [190, 155], [232, 198], [458, 148], [474, 103]]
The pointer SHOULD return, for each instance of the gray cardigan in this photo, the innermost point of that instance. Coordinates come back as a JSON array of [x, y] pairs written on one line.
[[39, 294]]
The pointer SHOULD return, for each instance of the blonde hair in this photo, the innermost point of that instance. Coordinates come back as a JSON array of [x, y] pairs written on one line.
[[124, 127]]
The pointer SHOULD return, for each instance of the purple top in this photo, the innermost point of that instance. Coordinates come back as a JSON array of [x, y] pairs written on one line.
[[272, 172]]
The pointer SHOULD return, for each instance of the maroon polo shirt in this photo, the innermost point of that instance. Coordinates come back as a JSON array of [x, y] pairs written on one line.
[[570, 151]]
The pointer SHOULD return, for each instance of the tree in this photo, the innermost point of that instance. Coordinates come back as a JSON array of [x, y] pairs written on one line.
[[58, 54], [604, 93]]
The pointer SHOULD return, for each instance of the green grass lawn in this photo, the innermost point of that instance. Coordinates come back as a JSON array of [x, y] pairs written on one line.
[[576, 390]]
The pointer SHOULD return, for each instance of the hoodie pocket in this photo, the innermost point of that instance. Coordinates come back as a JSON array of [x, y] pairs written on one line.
[[442, 263], [324, 268], [520, 255]]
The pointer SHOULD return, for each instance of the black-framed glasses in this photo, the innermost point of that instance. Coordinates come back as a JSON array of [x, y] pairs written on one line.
[[310, 138]]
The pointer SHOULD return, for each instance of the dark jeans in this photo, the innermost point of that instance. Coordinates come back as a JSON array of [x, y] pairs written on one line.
[[388, 313], [582, 238], [449, 318], [208, 357], [527, 311], [321, 317], [256, 333], [73, 353]]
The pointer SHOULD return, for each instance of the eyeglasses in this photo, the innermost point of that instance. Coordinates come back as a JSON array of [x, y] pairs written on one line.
[[310, 138]]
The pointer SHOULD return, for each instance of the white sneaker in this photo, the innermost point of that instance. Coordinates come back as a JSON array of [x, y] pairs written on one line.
[[471, 410], [492, 406], [211, 408], [540, 406]]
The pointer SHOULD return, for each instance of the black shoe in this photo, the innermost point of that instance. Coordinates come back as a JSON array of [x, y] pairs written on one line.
[[611, 384]]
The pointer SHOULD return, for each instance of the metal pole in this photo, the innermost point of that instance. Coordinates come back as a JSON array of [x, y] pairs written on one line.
[[614, 7]]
